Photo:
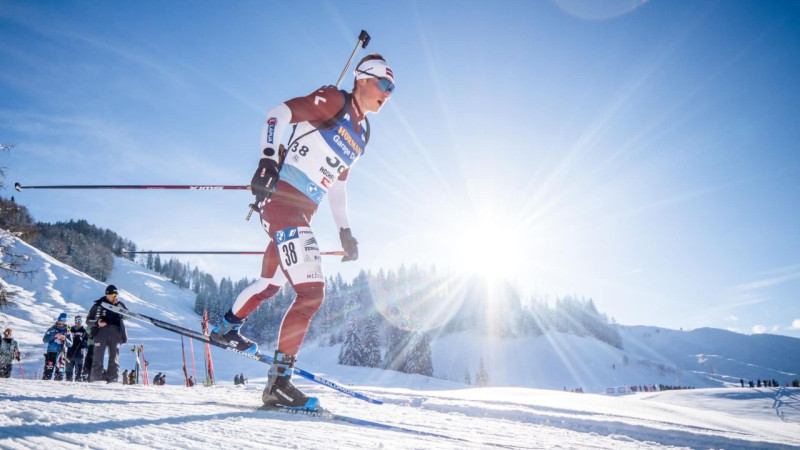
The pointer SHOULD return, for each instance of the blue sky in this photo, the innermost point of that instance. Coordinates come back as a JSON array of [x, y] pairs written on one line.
[[642, 154]]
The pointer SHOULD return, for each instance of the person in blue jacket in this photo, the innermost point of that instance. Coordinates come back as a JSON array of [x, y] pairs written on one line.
[[58, 340]]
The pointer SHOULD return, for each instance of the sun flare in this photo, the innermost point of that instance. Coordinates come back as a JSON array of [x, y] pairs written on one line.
[[486, 247]]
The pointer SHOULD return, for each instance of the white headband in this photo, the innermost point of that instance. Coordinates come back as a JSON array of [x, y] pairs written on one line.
[[374, 68]]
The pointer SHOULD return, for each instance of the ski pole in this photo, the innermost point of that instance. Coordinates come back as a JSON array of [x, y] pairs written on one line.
[[363, 40], [21, 370], [191, 187], [200, 252]]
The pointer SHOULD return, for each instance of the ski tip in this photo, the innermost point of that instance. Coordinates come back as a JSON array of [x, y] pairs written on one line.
[[18, 187]]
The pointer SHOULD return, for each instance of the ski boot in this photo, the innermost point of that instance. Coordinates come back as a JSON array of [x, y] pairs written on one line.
[[281, 393], [228, 334]]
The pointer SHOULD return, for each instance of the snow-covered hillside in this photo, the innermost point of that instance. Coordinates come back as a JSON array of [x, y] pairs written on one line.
[[699, 358], [432, 412]]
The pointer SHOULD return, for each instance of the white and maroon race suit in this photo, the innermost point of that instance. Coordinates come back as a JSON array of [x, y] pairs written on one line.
[[317, 163]]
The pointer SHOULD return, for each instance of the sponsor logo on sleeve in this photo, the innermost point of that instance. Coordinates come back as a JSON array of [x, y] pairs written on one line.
[[271, 129]]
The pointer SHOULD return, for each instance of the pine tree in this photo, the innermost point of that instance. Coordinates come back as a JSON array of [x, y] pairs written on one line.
[[482, 377], [371, 343], [467, 378], [419, 358], [352, 352]]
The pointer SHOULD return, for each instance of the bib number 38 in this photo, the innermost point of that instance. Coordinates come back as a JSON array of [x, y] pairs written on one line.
[[297, 246]]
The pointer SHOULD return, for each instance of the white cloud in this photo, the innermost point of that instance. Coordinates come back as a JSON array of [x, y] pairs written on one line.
[[731, 318], [759, 329], [795, 324]]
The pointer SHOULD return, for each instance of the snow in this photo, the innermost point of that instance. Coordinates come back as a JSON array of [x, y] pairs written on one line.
[[537, 413]]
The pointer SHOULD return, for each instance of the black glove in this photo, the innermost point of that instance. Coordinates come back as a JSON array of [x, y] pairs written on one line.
[[349, 244], [264, 180]]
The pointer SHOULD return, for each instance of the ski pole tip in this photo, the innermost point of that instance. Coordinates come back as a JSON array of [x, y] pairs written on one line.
[[364, 38], [18, 187]]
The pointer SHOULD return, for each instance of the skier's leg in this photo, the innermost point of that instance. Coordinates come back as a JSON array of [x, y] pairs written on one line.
[[78, 362], [87, 364], [49, 365], [98, 355], [298, 318], [248, 300], [112, 374], [69, 369], [301, 261]]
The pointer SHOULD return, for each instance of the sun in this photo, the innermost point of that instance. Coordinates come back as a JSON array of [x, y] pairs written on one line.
[[488, 245]]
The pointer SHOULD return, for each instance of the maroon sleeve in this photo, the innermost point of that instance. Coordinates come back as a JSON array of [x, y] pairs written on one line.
[[318, 106]]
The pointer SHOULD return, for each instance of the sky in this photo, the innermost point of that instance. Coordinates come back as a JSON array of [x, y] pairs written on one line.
[[641, 154]]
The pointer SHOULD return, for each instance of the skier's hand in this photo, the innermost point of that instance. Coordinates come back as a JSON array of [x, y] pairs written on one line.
[[349, 244], [264, 180], [101, 323], [60, 336]]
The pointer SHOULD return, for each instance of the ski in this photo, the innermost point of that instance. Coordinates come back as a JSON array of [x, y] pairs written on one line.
[[326, 414], [265, 359]]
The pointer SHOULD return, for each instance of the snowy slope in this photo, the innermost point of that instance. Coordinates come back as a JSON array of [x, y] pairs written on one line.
[[450, 414], [38, 414]]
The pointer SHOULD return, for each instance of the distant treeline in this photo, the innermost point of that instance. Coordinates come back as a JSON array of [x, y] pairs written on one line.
[[77, 243]]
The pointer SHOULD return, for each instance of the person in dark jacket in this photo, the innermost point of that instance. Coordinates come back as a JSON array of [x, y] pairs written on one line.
[[108, 333], [77, 352], [87, 361], [58, 342], [9, 351]]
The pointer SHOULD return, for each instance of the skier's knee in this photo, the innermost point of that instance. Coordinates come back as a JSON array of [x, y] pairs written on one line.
[[309, 298]]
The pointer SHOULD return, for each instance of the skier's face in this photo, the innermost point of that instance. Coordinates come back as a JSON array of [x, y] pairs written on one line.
[[112, 298], [373, 93]]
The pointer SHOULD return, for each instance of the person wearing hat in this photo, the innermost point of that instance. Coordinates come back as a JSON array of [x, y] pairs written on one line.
[[58, 342], [108, 333], [9, 351], [330, 134], [77, 352]]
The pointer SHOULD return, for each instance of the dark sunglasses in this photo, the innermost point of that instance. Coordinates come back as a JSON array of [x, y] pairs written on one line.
[[383, 84]]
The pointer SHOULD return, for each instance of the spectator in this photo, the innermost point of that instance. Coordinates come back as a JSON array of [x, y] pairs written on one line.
[[132, 377], [9, 351], [125, 377], [741, 381], [77, 352], [190, 382], [86, 375], [108, 333], [58, 340]]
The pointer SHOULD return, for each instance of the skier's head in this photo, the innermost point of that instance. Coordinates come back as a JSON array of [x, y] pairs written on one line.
[[111, 293], [62, 319], [374, 83], [7, 333], [78, 320]]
